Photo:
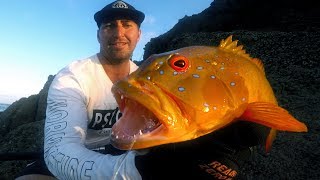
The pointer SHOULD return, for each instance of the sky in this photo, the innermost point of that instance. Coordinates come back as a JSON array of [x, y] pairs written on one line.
[[40, 37]]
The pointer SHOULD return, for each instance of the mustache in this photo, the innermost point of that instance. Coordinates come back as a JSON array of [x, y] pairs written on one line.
[[115, 41]]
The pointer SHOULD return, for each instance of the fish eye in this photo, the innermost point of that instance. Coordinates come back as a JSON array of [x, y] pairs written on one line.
[[179, 63]]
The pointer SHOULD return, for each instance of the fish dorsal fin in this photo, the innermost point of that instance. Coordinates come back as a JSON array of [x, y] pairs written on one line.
[[259, 63], [232, 46]]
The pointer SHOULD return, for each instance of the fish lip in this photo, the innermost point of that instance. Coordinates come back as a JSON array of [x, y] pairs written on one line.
[[121, 96], [142, 92], [129, 142], [145, 95]]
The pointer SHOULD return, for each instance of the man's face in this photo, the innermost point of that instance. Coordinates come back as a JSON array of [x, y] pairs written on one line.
[[118, 39]]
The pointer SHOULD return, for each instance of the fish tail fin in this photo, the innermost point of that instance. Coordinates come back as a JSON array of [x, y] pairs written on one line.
[[272, 116], [270, 138]]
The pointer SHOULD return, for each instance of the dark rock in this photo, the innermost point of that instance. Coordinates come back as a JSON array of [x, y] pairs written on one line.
[[284, 34], [20, 112], [21, 129], [292, 67], [25, 110], [42, 102], [252, 15]]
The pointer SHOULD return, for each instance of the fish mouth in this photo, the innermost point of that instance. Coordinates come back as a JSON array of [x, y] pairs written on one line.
[[136, 121], [146, 115]]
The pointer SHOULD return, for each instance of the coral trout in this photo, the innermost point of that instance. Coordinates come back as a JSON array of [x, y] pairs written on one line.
[[187, 93]]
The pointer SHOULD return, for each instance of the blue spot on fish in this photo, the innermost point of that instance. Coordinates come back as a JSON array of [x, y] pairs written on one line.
[[199, 67], [181, 89], [195, 75]]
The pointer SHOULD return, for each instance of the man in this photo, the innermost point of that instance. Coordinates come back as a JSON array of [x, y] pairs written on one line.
[[81, 111], [80, 106]]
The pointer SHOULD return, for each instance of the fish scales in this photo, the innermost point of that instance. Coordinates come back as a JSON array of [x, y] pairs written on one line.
[[190, 92]]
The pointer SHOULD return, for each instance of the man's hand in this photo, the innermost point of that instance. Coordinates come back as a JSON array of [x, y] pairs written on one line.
[[218, 155]]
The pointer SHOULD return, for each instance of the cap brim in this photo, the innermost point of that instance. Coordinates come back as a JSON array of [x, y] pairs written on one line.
[[112, 14]]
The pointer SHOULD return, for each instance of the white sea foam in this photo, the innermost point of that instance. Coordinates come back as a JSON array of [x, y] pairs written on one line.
[[3, 107]]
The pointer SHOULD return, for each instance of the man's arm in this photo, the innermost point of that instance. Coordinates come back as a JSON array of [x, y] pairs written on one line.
[[65, 133]]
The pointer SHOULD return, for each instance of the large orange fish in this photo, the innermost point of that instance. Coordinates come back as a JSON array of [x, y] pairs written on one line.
[[190, 92]]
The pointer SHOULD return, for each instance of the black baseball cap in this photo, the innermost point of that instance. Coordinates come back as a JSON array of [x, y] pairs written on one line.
[[116, 10]]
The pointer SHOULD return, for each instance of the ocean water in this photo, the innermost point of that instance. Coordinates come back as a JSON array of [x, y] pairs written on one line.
[[3, 107]]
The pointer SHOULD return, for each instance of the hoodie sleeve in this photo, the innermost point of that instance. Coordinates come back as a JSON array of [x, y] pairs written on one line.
[[65, 131]]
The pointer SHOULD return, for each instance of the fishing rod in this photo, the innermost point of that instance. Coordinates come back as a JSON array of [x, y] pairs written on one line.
[[14, 156]]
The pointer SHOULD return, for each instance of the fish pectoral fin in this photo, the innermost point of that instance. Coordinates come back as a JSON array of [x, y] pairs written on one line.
[[272, 116]]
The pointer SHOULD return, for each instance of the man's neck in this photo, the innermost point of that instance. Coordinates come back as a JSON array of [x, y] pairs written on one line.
[[115, 72]]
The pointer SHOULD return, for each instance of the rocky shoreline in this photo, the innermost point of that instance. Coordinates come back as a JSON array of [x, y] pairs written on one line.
[[290, 51]]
